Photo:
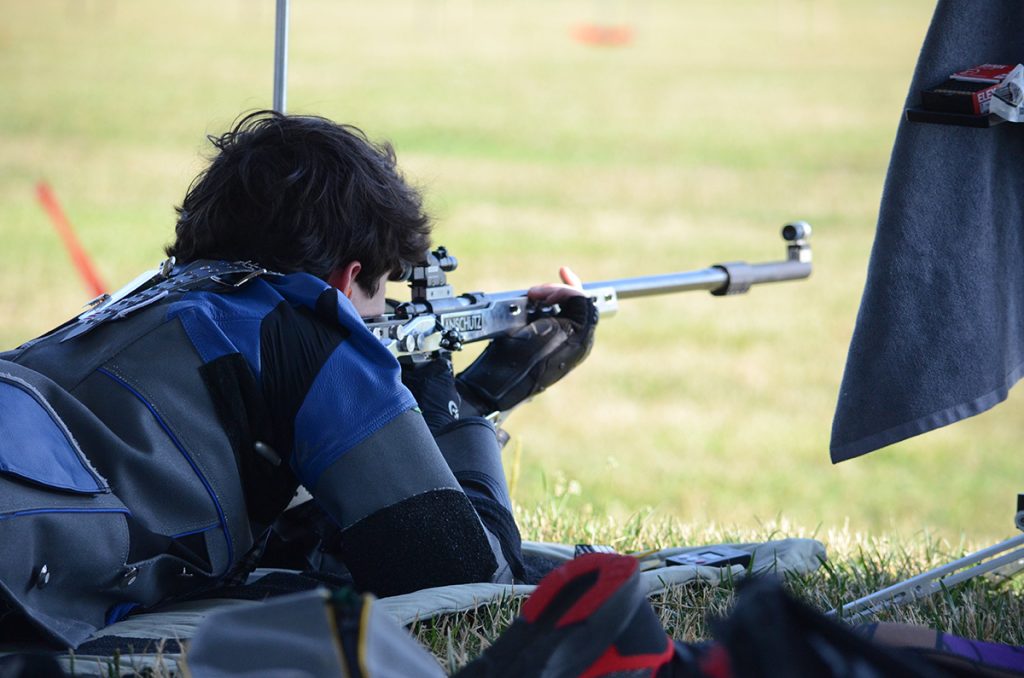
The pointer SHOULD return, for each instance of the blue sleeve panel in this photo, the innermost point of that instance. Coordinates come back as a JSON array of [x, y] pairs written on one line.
[[356, 391]]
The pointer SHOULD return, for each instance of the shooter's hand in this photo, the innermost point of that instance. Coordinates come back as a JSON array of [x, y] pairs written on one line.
[[555, 293], [519, 366]]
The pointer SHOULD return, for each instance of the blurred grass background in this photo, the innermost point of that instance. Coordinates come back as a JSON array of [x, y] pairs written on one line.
[[689, 146]]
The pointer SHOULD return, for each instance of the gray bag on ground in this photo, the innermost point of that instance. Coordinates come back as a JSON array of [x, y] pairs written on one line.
[[310, 634]]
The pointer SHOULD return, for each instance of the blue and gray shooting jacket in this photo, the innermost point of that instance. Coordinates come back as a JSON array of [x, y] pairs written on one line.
[[146, 445]]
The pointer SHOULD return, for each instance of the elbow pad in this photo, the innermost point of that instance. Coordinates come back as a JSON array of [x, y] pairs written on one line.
[[432, 539]]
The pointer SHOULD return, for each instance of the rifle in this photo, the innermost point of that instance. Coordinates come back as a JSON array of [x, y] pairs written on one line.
[[436, 319]]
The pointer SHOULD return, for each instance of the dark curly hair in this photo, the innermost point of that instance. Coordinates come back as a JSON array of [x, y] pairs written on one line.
[[302, 193]]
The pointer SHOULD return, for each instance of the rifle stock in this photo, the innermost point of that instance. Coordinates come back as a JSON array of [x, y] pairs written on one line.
[[438, 320]]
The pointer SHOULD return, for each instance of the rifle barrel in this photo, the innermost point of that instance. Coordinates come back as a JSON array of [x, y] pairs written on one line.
[[713, 279], [778, 271], [648, 285]]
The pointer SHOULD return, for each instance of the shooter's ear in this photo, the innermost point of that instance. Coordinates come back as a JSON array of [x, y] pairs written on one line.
[[343, 278]]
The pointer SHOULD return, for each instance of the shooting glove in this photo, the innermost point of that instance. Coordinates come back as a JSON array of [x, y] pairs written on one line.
[[433, 385], [521, 365]]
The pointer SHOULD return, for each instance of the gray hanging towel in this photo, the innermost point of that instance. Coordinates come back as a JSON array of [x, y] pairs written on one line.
[[940, 332]]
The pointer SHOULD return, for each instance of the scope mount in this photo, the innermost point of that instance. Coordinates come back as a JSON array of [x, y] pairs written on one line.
[[428, 280]]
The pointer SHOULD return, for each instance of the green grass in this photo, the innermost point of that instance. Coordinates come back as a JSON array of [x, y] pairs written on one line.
[[692, 145]]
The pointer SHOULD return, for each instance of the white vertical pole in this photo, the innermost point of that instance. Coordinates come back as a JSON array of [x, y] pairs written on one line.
[[281, 57]]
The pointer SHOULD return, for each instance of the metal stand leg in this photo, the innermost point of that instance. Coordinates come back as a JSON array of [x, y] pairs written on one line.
[[1007, 553]]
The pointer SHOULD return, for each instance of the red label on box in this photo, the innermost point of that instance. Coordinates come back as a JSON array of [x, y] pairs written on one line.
[[984, 73]]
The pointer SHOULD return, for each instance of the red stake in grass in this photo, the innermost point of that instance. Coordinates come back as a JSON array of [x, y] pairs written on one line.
[[67, 235]]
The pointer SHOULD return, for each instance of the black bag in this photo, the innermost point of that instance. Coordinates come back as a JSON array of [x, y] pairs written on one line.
[[772, 635]]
